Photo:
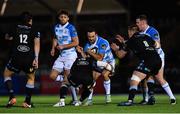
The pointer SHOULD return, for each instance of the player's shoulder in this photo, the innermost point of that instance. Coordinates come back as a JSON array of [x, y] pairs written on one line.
[[102, 40], [70, 26], [153, 30]]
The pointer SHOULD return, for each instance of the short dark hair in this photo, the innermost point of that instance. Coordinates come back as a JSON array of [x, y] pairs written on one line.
[[133, 27], [65, 12], [91, 29], [25, 17], [142, 17]]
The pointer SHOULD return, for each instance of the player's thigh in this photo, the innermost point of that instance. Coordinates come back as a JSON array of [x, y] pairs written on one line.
[[58, 65], [31, 78], [96, 75], [7, 72], [106, 74], [136, 78], [53, 74], [68, 63]]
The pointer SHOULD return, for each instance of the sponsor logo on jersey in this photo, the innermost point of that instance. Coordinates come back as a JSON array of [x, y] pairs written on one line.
[[23, 48], [103, 46]]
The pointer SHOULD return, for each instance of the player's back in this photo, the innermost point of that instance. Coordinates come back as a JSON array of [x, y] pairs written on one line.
[[81, 72], [23, 40], [143, 46]]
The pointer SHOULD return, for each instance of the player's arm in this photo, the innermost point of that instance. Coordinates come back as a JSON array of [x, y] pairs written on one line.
[[54, 44], [36, 51], [75, 40], [156, 38], [80, 50], [157, 44], [120, 53], [74, 43], [96, 56]]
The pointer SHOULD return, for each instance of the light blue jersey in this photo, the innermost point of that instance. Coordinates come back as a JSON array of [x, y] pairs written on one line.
[[101, 46], [64, 35], [154, 34]]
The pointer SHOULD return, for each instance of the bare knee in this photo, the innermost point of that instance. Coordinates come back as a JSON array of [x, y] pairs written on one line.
[[7, 73], [53, 75]]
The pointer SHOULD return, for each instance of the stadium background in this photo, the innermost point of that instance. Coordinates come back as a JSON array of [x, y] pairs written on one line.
[[110, 17]]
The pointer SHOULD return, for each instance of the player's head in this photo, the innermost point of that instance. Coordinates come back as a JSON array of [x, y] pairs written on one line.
[[63, 16], [91, 34], [142, 22], [132, 29], [26, 18]]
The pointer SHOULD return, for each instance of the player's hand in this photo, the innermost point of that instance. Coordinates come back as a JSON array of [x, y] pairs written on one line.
[[35, 63], [60, 47], [89, 51], [120, 38], [114, 47], [79, 49], [52, 52]]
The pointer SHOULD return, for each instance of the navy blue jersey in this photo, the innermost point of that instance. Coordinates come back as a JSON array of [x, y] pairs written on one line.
[[23, 40]]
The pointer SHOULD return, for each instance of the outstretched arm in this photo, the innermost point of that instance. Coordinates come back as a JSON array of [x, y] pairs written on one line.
[[120, 53]]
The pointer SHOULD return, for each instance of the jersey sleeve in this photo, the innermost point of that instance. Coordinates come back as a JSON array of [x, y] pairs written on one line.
[[154, 34], [73, 32], [102, 47], [36, 34]]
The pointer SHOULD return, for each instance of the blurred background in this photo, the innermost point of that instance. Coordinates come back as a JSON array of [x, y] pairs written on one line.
[[110, 17]]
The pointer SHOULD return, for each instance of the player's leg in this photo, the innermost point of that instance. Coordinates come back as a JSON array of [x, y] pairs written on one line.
[[29, 90], [165, 86], [107, 85], [8, 83], [56, 70], [68, 65], [144, 91], [108, 71], [134, 82], [151, 84], [60, 78], [85, 93], [74, 93], [95, 77]]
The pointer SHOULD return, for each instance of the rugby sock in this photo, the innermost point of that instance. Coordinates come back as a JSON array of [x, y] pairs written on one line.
[[132, 93], [29, 91], [107, 86], [9, 86], [60, 78], [91, 94], [168, 90], [145, 94], [85, 94], [74, 94], [150, 85], [63, 91]]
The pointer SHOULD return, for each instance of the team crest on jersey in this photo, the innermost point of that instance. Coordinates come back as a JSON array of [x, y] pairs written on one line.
[[65, 31], [156, 35], [103, 46]]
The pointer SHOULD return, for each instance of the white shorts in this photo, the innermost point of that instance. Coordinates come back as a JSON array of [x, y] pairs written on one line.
[[62, 63]]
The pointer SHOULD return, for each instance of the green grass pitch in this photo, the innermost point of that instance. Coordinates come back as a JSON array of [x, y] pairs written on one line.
[[43, 104]]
